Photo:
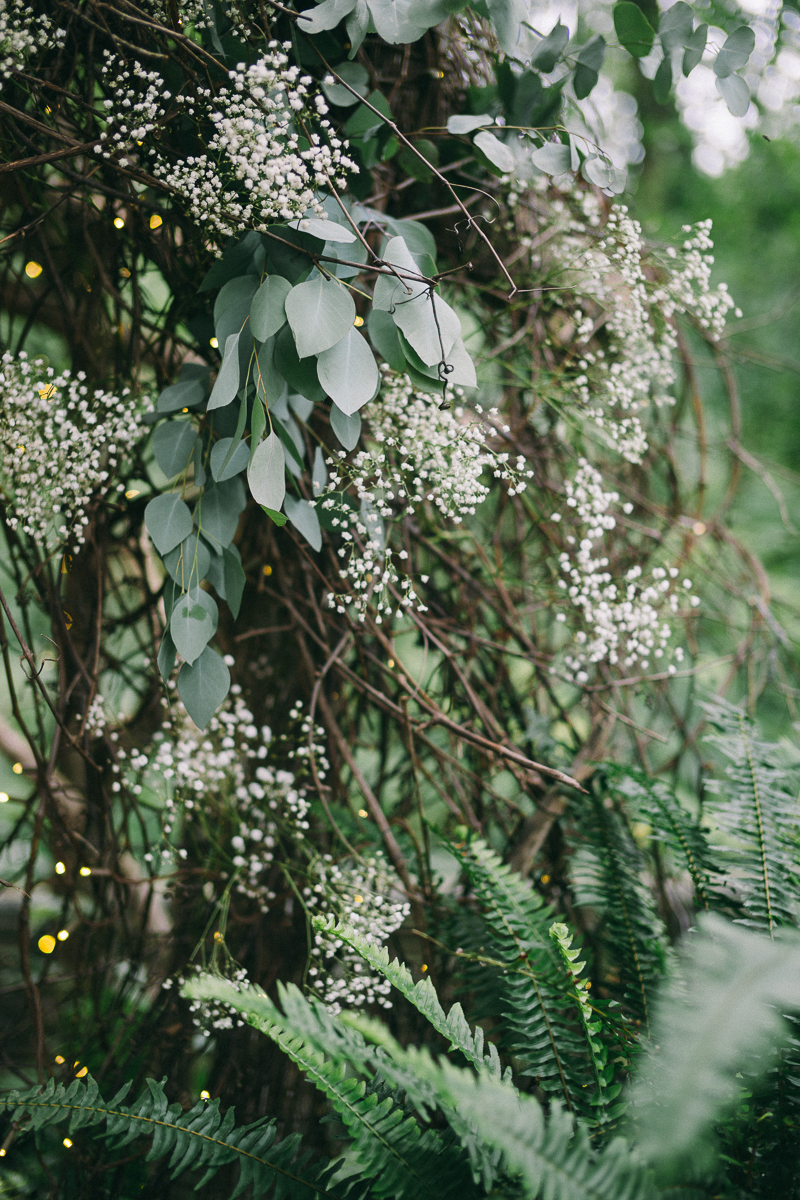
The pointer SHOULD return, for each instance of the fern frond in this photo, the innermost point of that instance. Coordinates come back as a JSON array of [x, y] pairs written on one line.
[[398, 1157], [453, 1025], [201, 1139], [652, 801], [550, 1159], [607, 869], [718, 1017], [542, 1021], [759, 812]]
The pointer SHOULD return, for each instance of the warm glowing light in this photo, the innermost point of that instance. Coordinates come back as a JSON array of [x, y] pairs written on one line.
[[83, 1071], [218, 936], [17, 768], [390, 663], [699, 528], [67, 620], [362, 812], [60, 1059], [60, 868], [119, 223], [33, 270], [213, 342], [267, 569], [183, 410], [3, 797], [359, 321], [62, 935], [2, 1151], [47, 943], [85, 871], [132, 493], [47, 392], [67, 1142], [359, 899], [155, 221], [424, 967], [204, 1095], [125, 272], [545, 879]]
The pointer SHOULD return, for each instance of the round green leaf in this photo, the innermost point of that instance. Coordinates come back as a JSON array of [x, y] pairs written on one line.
[[168, 521], [193, 623], [305, 520], [320, 312], [675, 26], [173, 443], [352, 73], [463, 123], [218, 512], [227, 384], [266, 475], [348, 372], [203, 685], [553, 158], [228, 459], [347, 428], [633, 29], [736, 94], [734, 54], [267, 312], [496, 151]]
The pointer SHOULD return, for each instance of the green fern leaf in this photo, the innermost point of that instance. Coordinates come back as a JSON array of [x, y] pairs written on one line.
[[651, 801], [394, 1153], [756, 808], [718, 1017], [541, 1017], [198, 1139], [607, 869], [453, 1025]]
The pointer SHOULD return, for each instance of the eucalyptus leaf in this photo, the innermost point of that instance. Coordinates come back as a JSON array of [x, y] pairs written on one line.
[[496, 151], [589, 60], [329, 231], [348, 372], [319, 473], [235, 579], [287, 430], [554, 158], [266, 475], [347, 428], [203, 685], [301, 407], [466, 124], [734, 54], [463, 372], [228, 458], [236, 293], [550, 48], [326, 15], [267, 311], [352, 73], [168, 521], [736, 94], [167, 655], [173, 444], [300, 374], [185, 394], [193, 623], [305, 521], [393, 22], [507, 17], [189, 561], [695, 48], [218, 512], [662, 83], [633, 29], [675, 27], [357, 25], [384, 337], [227, 384], [319, 312]]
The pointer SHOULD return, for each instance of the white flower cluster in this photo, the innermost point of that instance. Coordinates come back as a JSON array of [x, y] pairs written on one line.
[[688, 286], [271, 154], [22, 33], [617, 383], [628, 623], [96, 719], [61, 446], [421, 454], [367, 897], [211, 1015]]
